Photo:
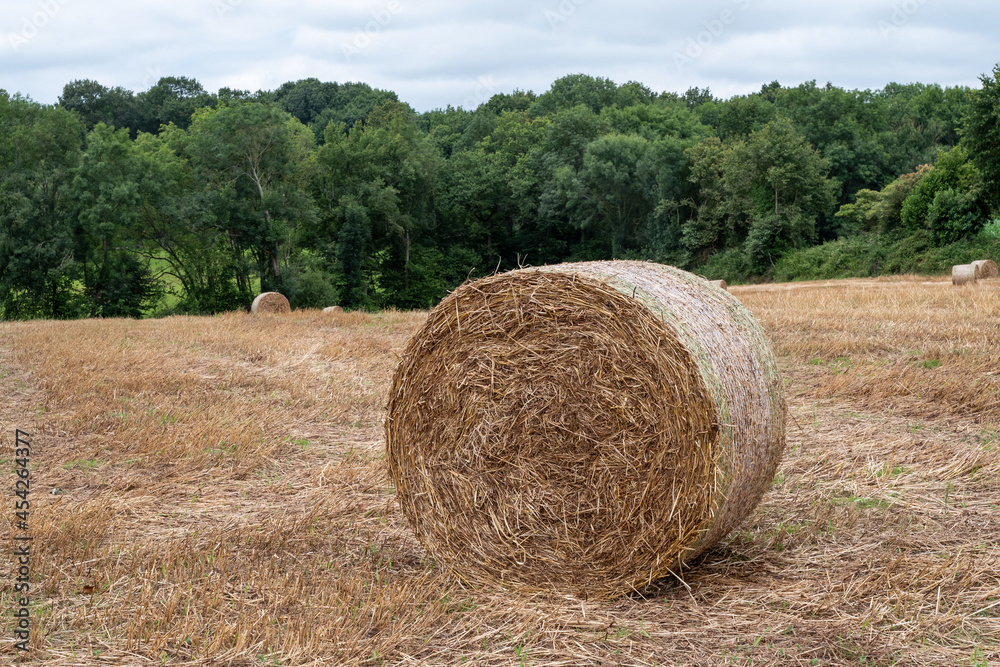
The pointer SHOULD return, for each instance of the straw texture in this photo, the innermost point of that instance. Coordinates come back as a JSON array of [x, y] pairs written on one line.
[[986, 268], [582, 428], [963, 274], [270, 303]]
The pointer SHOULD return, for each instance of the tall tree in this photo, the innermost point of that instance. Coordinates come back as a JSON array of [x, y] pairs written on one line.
[[981, 133], [376, 190], [39, 148], [107, 199], [173, 99], [778, 187], [94, 103], [258, 161]]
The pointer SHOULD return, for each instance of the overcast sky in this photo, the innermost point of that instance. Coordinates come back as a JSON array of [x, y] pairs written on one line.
[[439, 52]]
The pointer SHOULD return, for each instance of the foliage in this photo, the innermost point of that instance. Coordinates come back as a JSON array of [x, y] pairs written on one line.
[[981, 135], [341, 193], [870, 255], [948, 201], [39, 148], [108, 192]]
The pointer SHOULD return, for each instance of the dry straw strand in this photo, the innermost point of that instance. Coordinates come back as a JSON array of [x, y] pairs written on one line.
[[963, 274], [582, 428], [270, 303], [986, 268]]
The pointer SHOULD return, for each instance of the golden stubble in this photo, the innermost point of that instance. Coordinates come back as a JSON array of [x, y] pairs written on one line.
[[221, 498]]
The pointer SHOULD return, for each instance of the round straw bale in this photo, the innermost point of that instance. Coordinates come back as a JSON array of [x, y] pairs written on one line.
[[987, 268], [270, 303], [582, 428], [963, 274], [333, 309], [719, 283]]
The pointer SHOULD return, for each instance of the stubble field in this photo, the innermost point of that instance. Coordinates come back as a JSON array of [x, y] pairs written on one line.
[[213, 491]]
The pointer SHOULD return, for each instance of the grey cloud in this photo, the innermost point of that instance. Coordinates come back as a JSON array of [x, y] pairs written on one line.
[[439, 52]]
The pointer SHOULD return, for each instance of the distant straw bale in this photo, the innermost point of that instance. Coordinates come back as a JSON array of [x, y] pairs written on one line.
[[333, 309], [270, 303], [719, 283], [582, 428], [963, 274], [986, 268]]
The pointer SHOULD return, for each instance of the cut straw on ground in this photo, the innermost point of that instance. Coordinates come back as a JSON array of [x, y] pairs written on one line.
[[225, 500]]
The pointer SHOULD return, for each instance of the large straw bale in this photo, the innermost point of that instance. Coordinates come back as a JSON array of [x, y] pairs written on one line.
[[986, 268], [583, 428], [333, 309], [719, 283], [270, 303], [963, 274]]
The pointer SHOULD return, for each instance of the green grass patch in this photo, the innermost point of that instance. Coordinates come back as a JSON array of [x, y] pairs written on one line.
[[86, 464]]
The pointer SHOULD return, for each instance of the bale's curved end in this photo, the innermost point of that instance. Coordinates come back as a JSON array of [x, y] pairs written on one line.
[[583, 428], [270, 303], [986, 268]]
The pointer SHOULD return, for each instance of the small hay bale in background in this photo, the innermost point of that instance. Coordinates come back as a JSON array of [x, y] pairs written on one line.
[[963, 274], [333, 309], [270, 303], [986, 268], [719, 283], [582, 428]]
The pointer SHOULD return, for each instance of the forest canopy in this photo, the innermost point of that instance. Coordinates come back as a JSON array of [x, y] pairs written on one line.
[[177, 200]]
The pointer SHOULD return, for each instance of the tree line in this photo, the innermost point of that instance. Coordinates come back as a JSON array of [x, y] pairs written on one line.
[[175, 200]]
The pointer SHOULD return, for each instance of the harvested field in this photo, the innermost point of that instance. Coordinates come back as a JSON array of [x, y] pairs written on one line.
[[224, 500]]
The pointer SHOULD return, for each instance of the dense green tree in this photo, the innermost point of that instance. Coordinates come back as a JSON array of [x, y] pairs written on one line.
[[446, 129], [708, 229], [518, 100], [595, 93], [178, 228], [777, 188], [696, 96], [489, 190], [173, 99], [107, 195], [738, 116], [375, 188], [211, 193], [981, 133], [616, 184], [39, 148], [655, 121], [880, 211], [317, 104], [949, 201], [94, 103], [257, 160], [773, 189], [918, 120]]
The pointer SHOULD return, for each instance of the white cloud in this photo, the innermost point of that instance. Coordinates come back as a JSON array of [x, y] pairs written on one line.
[[439, 52]]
